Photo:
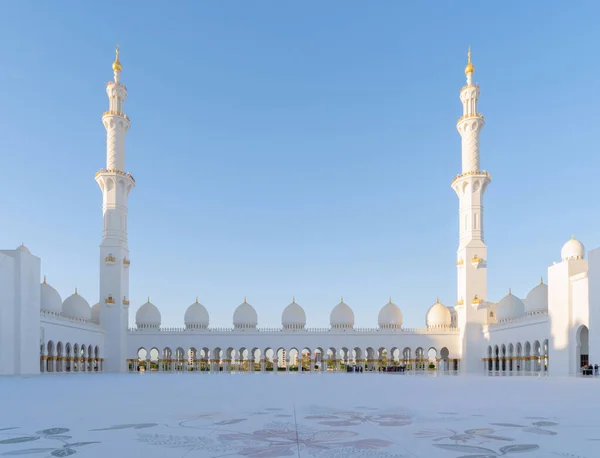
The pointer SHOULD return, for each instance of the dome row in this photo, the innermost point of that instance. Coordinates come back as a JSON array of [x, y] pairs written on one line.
[[74, 306], [293, 316]]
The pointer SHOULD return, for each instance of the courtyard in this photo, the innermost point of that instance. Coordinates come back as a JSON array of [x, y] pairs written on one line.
[[331, 415]]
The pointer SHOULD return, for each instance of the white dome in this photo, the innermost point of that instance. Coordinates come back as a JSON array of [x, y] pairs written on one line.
[[509, 307], [573, 249], [342, 316], [23, 248], [96, 313], [293, 316], [245, 316], [196, 316], [50, 300], [537, 299], [148, 316], [390, 316], [75, 306], [438, 316]]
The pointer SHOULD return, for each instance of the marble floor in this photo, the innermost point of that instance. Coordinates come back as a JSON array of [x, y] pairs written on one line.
[[332, 415]]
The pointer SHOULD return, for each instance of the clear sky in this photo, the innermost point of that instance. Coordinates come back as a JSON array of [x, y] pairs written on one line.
[[299, 148]]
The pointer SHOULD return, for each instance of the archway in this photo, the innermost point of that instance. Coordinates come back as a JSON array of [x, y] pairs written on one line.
[[583, 342]]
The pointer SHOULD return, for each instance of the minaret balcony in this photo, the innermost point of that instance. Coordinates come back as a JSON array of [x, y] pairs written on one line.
[[476, 300], [116, 113], [470, 116], [460, 262], [118, 172], [460, 302], [476, 172], [110, 259], [125, 301], [109, 300], [126, 262]]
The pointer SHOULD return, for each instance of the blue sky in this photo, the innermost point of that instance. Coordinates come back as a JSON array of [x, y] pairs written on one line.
[[299, 149]]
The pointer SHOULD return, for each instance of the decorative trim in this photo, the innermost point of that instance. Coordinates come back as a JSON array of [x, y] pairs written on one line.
[[110, 259], [109, 300]]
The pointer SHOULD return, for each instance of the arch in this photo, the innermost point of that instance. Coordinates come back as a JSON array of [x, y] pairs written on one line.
[[420, 359], [68, 358], [582, 347], [318, 356], [307, 361], [444, 358], [59, 357]]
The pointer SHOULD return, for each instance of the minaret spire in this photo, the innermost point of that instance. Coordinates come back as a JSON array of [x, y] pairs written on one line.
[[117, 67], [115, 185]]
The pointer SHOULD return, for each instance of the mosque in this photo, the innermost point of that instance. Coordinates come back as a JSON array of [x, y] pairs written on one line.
[[547, 331]]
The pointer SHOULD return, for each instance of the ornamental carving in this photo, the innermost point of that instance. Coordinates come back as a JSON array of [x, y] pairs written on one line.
[[109, 300], [110, 259]]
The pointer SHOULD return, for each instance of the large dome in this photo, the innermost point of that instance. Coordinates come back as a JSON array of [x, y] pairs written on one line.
[[293, 316], [96, 313], [196, 316], [537, 299], [245, 316], [509, 307], [342, 316], [75, 306], [438, 316], [390, 316], [23, 248], [573, 249], [148, 316], [50, 300]]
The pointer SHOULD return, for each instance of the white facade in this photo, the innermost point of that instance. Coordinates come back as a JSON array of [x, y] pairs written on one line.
[[556, 328]]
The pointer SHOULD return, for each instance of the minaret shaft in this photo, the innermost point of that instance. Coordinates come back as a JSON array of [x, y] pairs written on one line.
[[115, 185], [471, 261]]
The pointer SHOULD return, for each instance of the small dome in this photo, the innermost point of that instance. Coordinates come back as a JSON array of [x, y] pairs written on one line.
[[342, 316], [196, 316], [573, 249], [245, 316], [50, 300], [23, 248], [509, 307], [293, 316], [537, 299], [75, 306], [148, 316], [96, 313], [438, 316], [390, 316]]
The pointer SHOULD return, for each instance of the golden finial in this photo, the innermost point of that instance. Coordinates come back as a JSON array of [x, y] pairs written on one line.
[[342, 300], [76, 290], [148, 299], [117, 67], [245, 300], [196, 299], [510, 291], [293, 300], [573, 237], [44, 279], [390, 301], [542, 280], [437, 301], [470, 68]]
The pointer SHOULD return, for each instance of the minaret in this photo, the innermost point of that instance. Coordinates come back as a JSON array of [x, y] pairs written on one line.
[[115, 184], [471, 260]]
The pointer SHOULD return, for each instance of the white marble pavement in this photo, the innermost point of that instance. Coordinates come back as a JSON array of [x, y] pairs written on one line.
[[328, 415]]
